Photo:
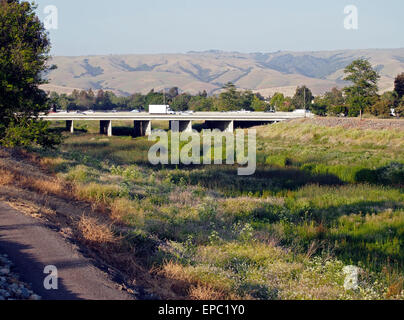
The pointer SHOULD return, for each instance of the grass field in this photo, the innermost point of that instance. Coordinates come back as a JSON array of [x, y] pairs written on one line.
[[322, 198]]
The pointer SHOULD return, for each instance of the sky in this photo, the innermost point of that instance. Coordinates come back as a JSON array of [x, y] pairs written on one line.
[[98, 27]]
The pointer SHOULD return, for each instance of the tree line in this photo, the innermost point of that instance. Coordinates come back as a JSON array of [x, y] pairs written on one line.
[[359, 98]]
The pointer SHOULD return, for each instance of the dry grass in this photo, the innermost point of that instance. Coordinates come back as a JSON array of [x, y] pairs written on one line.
[[94, 232], [24, 175], [188, 284], [6, 177], [51, 164], [205, 293], [122, 208]]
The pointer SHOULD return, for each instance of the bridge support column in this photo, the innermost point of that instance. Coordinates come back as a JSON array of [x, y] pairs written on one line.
[[225, 126], [142, 128], [181, 126], [106, 127], [70, 126]]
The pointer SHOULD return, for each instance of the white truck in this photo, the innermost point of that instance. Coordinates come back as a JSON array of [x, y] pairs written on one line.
[[160, 109]]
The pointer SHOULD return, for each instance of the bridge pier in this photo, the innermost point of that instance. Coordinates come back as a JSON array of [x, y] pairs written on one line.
[[181, 126], [70, 126], [106, 127], [225, 126], [142, 128]]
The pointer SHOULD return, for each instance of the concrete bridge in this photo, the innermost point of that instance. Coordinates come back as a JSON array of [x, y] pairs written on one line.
[[142, 122]]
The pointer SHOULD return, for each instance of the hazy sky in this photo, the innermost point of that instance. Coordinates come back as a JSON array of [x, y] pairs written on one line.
[[173, 26]]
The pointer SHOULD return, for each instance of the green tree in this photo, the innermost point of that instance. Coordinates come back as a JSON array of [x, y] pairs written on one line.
[[24, 53], [229, 99], [173, 92], [381, 108], [320, 106], [277, 101], [399, 85], [153, 98], [258, 104], [136, 101], [335, 97], [246, 100], [400, 109], [303, 98], [287, 105], [180, 102], [201, 103], [362, 94]]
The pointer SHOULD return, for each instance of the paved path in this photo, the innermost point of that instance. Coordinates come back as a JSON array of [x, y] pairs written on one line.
[[32, 246]]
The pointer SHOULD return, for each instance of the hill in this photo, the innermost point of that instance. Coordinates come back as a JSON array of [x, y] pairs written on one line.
[[198, 71]]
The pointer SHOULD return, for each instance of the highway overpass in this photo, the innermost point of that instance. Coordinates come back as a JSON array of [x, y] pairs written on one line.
[[143, 122]]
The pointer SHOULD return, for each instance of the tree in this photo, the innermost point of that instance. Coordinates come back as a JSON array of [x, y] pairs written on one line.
[[400, 109], [180, 103], [201, 103], [381, 108], [246, 100], [287, 105], [391, 98], [258, 104], [229, 99], [334, 97], [277, 100], [173, 92], [399, 85], [320, 106], [362, 94], [24, 53], [329, 104], [136, 101], [303, 98]]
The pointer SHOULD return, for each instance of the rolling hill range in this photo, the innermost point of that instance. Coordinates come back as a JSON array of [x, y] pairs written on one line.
[[198, 71]]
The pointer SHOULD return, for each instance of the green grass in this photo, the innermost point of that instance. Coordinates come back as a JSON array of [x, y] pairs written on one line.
[[321, 199]]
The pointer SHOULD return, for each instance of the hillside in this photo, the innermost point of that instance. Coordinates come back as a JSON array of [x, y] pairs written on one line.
[[197, 71]]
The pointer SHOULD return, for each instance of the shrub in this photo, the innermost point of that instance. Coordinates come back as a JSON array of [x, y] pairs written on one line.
[[391, 174]]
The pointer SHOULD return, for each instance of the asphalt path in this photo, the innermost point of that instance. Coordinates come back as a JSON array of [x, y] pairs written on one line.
[[32, 246]]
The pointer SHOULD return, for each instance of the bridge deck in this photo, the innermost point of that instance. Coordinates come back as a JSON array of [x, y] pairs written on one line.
[[200, 116]]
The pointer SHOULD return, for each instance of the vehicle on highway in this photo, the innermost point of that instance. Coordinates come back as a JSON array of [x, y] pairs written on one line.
[[160, 109], [135, 111], [188, 112]]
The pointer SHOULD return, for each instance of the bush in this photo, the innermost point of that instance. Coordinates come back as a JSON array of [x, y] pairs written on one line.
[[392, 174], [319, 109], [400, 110], [337, 110], [381, 109], [30, 132]]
